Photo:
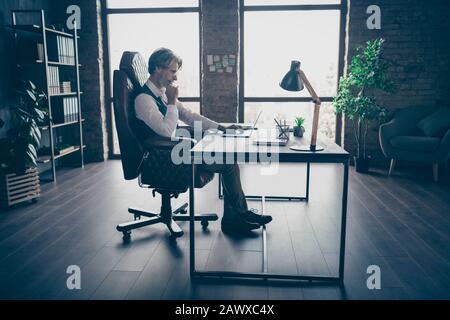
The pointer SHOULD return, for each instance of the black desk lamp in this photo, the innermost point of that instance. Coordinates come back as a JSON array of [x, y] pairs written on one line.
[[293, 81]]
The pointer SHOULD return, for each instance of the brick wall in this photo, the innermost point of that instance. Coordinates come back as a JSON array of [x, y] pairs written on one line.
[[92, 81], [220, 35], [416, 34]]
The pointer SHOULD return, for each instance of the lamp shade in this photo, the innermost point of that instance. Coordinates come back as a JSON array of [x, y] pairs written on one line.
[[292, 80]]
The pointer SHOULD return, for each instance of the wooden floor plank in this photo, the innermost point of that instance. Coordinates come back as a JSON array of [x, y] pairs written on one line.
[[116, 285], [396, 223], [423, 253]]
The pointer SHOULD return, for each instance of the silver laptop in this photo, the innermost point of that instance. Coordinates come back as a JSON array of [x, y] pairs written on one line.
[[242, 133]]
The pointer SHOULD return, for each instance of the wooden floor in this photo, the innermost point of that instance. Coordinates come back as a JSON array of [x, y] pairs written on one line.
[[400, 223]]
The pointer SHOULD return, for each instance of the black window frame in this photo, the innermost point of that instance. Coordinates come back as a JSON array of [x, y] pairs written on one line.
[[106, 63], [342, 7]]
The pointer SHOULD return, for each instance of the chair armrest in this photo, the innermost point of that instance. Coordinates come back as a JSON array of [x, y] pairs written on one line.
[[390, 129], [386, 132], [164, 143]]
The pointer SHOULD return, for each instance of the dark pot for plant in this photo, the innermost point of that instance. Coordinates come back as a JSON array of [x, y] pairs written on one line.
[[362, 165], [298, 131]]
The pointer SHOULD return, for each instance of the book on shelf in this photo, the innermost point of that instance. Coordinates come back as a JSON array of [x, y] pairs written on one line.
[[53, 80], [66, 52], [65, 87], [70, 109], [67, 112], [63, 148]]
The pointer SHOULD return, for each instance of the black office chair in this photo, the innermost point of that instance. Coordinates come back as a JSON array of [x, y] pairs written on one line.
[[150, 161]]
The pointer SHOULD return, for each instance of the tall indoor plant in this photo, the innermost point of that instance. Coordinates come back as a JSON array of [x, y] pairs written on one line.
[[19, 177], [366, 74], [18, 149]]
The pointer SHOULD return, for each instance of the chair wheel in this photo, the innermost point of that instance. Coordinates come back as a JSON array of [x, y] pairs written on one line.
[[126, 236], [137, 217], [176, 234], [204, 224], [184, 211]]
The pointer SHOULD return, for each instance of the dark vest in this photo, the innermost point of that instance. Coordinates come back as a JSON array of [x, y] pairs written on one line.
[[142, 130]]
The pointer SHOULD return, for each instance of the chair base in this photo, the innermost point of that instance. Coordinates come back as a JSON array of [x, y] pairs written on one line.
[[170, 222]]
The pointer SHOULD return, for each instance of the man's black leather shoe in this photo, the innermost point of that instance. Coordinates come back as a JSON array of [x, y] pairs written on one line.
[[253, 217], [237, 225]]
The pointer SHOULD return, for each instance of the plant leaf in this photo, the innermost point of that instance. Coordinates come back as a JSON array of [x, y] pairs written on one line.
[[39, 113], [32, 149], [36, 135], [31, 158], [31, 94], [32, 85]]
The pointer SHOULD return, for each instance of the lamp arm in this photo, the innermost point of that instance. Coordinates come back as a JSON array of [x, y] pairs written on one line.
[[317, 103], [309, 87]]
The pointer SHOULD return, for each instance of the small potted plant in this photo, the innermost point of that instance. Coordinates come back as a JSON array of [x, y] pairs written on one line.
[[18, 156], [298, 128], [366, 75]]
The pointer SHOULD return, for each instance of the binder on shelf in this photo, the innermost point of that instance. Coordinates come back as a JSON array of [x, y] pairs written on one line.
[[72, 52], [58, 44], [64, 54], [40, 51], [53, 81]]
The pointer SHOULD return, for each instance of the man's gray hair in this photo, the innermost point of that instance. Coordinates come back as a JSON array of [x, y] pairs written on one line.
[[162, 58]]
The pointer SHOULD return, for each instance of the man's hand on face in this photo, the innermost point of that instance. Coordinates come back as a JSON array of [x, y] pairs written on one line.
[[172, 94]]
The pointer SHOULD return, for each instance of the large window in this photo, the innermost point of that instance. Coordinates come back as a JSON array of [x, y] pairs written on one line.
[[145, 25], [304, 30]]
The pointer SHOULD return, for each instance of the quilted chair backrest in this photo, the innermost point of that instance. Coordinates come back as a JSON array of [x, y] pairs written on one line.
[[131, 76], [133, 64]]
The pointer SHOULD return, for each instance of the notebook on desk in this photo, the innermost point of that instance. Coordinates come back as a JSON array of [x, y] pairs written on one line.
[[270, 142]]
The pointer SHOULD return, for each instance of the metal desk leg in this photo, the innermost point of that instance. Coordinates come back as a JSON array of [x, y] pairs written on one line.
[[274, 198], [265, 274], [343, 224], [191, 222], [220, 186], [307, 180], [265, 266]]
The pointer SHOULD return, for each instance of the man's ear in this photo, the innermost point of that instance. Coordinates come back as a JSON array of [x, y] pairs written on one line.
[[158, 70]]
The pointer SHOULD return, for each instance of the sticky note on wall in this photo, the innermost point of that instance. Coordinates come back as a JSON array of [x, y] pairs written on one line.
[[221, 63]]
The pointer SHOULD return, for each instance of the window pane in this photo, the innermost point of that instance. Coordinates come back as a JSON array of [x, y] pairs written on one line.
[[309, 36], [288, 111], [288, 2], [142, 33], [151, 3], [194, 106]]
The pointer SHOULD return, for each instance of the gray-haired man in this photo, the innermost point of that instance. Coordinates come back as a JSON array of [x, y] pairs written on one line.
[[157, 112]]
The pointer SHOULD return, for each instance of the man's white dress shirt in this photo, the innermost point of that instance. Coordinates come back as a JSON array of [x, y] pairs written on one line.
[[147, 110]]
